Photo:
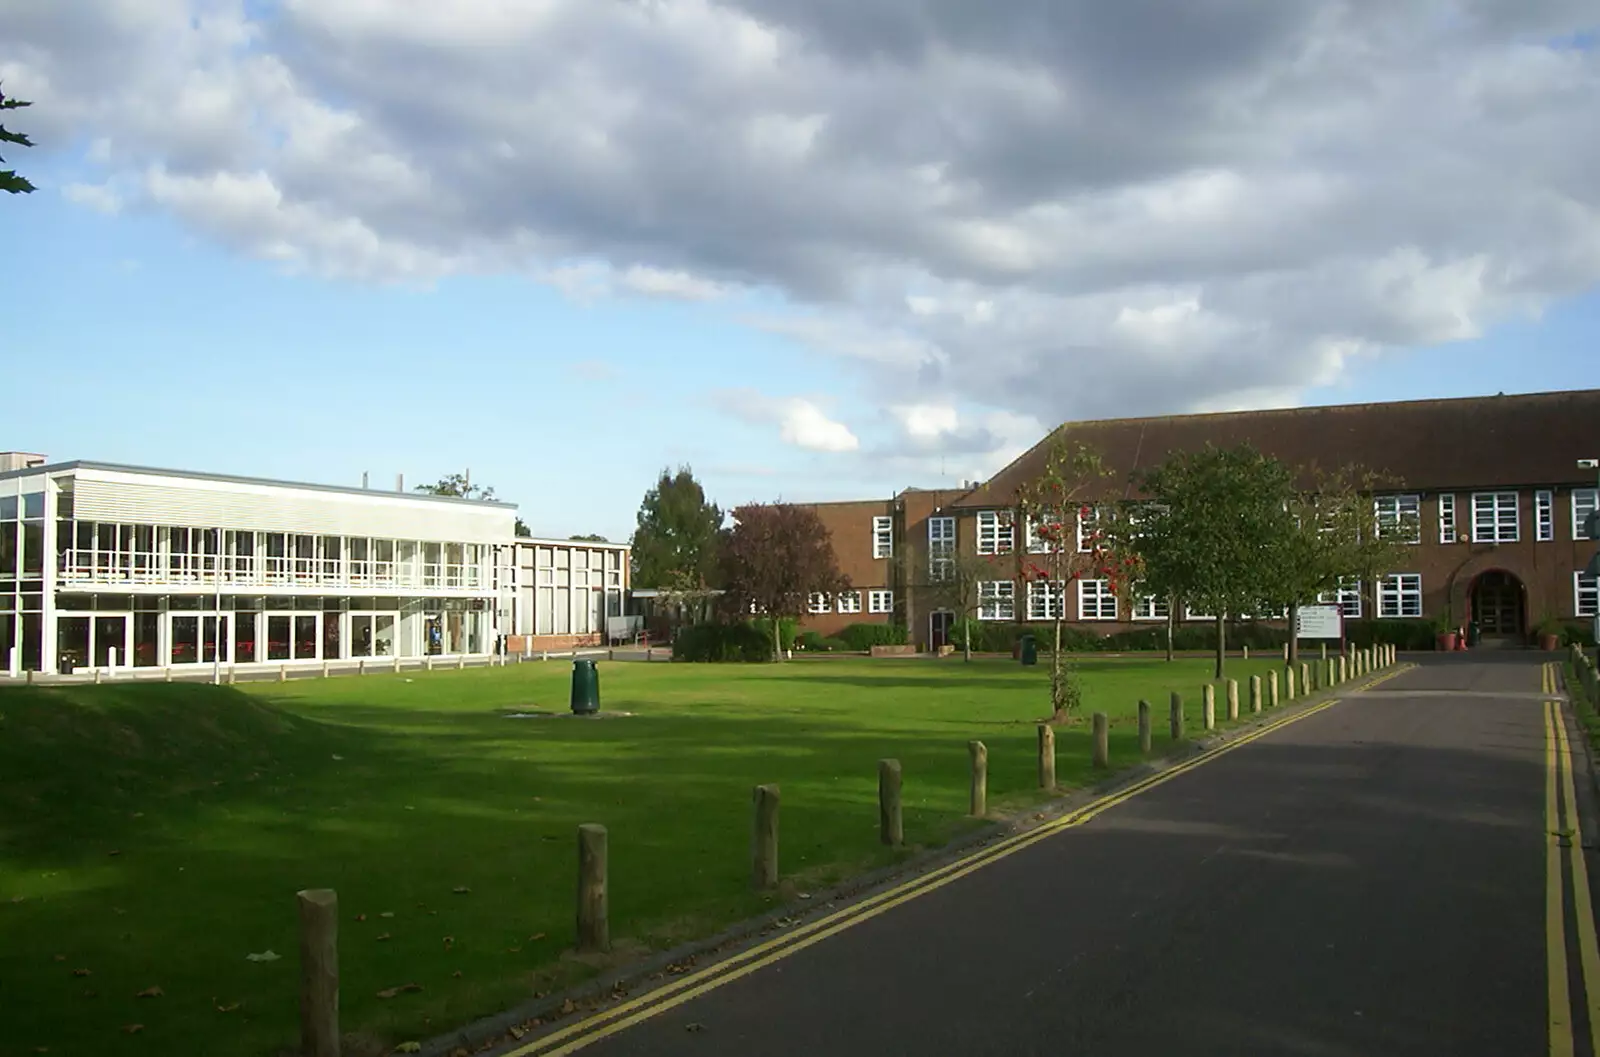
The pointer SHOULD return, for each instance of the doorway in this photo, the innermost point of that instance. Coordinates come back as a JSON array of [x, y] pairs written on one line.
[[940, 622], [194, 638], [293, 636], [1499, 605]]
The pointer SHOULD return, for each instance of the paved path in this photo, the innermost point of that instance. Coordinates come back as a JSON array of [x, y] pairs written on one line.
[[1370, 879]]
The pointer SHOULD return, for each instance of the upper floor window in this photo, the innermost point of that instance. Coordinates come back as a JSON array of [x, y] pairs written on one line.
[[1494, 517], [1043, 535], [1399, 517], [880, 601], [1447, 519], [1544, 515], [883, 537], [994, 532], [941, 547], [1584, 503], [996, 600], [1089, 527], [1347, 597], [1400, 595]]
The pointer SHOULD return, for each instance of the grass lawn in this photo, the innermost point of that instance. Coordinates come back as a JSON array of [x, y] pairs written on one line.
[[154, 835]]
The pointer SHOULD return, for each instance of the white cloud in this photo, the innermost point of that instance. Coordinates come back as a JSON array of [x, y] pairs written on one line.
[[800, 422], [665, 282], [103, 198]]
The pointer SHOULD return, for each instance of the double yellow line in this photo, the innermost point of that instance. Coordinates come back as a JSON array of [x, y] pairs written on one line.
[[1563, 829], [619, 1018]]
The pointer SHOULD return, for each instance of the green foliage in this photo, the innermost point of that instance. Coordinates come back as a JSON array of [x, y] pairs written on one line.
[[459, 486], [777, 556], [675, 543], [1406, 634], [808, 640], [1577, 633], [521, 529], [10, 182], [788, 628], [702, 643], [862, 637], [592, 538]]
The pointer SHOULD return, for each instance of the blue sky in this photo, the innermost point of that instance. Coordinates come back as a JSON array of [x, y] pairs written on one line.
[[626, 244]]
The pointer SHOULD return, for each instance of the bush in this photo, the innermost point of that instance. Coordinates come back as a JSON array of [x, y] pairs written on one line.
[[787, 627], [1577, 633], [862, 637], [702, 643], [832, 645], [1406, 634]]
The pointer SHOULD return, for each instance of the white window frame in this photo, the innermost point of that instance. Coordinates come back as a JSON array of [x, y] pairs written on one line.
[[996, 532], [880, 600], [849, 601], [1091, 520], [1347, 596], [1096, 600], [1544, 515], [997, 600], [1584, 501], [1151, 607], [1489, 524], [883, 537], [1400, 596], [1033, 542], [941, 548], [819, 603], [1585, 595], [1190, 614], [1387, 510], [1447, 518], [1047, 600]]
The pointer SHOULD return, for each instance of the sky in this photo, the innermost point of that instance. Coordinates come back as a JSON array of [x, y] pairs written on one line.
[[815, 249]]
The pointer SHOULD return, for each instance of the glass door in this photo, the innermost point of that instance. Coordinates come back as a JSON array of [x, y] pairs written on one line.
[[193, 638], [280, 628], [112, 633]]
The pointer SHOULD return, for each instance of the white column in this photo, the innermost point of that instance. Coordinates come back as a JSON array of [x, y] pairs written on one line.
[[47, 631]]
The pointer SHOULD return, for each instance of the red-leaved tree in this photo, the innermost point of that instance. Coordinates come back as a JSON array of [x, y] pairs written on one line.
[[774, 558]]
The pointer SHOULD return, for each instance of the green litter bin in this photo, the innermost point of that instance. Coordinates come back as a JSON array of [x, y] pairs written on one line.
[[1030, 650], [585, 687]]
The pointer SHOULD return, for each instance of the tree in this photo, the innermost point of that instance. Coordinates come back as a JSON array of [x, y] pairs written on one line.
[[776, 556], [1335, 538], [9, 180], [521, 529], [594, 538], [458, 485], [1211, 536], [953, 584], [1062, 543], [675, 543]]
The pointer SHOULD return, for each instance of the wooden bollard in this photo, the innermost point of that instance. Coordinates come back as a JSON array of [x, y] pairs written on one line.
[[461, 661], [319, 972], [891, 830], [1102, 740], [1144, 725], [1255, 693], [1305, 677], [1233, 699], [1175, 716], [594, 926], [1324, 656], [283, 673], [361, 666], [97, 675], [1247, 653], [1272, 688], [979, 803], [1047, 756], [233, 672], [764, 842], [324, 669], [397, 662], [1208, 706], [427, 662], [1288, 683], [166, 678], [1286, 653]]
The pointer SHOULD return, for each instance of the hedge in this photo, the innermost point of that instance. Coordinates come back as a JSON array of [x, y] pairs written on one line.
[[996, 637], [862, 637], [723, 642]]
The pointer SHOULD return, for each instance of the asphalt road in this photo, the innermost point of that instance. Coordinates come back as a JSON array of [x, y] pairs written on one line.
[[1371, 879]]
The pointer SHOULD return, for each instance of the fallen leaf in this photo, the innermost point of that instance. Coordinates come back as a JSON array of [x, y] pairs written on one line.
[[408, 1047], [18, 899], [433, 913], [513, 950], [91, 994], [114, 853], [81, 972], [456, 975], [337, 756], [133, 1029], [384, 936], [567, 1006], [387, 914], [390, 992], [118, 910], [154, 991], [46, 1049], [536, 937], [516, 1032], [138, 814], [460, 890], [61, 957], [449, 941], [229, 1008], [264, 956], [361, 917], [694, 1025]]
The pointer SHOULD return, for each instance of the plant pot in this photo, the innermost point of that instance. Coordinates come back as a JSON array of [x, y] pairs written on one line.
[[1549, 643], [1446, 641]]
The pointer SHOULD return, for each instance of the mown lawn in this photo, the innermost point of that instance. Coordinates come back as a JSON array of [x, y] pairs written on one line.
[[154, 835]]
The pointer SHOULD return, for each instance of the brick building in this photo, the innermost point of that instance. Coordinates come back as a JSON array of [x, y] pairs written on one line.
[[1494, 483]]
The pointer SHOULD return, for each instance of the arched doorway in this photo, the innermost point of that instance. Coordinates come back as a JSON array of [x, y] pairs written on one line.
[[1499, 605]]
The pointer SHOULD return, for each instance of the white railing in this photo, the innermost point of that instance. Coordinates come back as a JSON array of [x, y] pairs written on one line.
[[84, 567]]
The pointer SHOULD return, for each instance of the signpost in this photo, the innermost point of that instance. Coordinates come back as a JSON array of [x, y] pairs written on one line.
[[1319, 622]]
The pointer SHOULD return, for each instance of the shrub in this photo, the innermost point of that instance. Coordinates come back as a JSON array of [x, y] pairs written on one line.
[[862, 637], [832, 645], [809, 640], [1577, 633], [787, 627], [1406, 634], [701, 643]]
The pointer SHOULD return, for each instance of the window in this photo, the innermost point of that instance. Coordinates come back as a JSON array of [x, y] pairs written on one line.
[[1585, 595], [1089, 526], [1151, 607], [880, 601], [996, 600], [819, 603], [1347, 597], [1494, 517], [850, 602], [1096, 600], [1447, 519], [1400, 595], [1036, 543], [994, 532], [1191, 613], [1046, 600], [883, 537], [1584, 502], [1399, 517], [1544, 515], [941, 548]]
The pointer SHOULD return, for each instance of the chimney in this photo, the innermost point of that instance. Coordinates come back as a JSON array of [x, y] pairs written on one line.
[[363, 478], [399, 482]]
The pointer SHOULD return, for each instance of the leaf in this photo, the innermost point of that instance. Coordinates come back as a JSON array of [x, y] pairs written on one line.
[[449, 941], [361, 917], [537, 936], [460, 890], [390, 992], [81, 972], [384, 936], [387, 914], [517, 1032], [409, 1047], [132, 1029], [264, 956], [567, 1006], [61, 957], [694, 1025], [456, 975], [229, 1008], [153, 991]]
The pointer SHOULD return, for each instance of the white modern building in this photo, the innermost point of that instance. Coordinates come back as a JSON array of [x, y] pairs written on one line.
[[109, 566]]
